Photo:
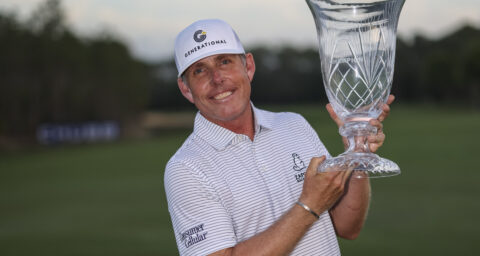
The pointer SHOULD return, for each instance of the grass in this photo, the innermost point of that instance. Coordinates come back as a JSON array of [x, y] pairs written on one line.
[[88, 200], [108, 199]]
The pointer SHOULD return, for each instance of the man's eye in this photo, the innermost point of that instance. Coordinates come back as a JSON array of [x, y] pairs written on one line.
[[225, 61], [197, 71]]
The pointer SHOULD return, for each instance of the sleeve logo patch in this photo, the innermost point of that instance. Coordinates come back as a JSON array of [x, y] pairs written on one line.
[[193, 235]]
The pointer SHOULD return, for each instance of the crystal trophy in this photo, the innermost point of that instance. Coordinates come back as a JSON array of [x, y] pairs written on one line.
[[357, 53]]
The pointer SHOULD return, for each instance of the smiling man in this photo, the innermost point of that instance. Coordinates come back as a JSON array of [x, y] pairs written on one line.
[[245, 182], [219, 86]]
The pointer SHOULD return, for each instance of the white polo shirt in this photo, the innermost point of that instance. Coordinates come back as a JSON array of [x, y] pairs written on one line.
[[222, 188]]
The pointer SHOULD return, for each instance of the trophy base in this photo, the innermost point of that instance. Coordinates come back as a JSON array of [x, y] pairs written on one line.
[[364, 165]]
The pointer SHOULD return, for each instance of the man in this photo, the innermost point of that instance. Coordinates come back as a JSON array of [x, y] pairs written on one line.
[[240, 184]]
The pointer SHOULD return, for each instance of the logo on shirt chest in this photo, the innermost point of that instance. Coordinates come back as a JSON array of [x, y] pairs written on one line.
[[299, 167]]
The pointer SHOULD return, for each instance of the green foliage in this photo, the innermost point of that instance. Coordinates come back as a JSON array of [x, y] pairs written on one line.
[[48, 74], [48, 19], [287, 75], [109, 199], [443, 71]]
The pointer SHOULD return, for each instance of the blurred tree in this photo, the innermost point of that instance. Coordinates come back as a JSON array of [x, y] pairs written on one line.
[[449, 70], [472, 73], [287, 75], [443, 70], [48, 19], [165, 93], [48, 74], [405, 79]]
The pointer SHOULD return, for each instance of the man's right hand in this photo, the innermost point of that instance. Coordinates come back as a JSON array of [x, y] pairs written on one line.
[[321, 190]]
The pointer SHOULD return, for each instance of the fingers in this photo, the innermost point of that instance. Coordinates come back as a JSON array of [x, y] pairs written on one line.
[[390, 99], [376, 123], [386, 108], [314, 164], [379, 138], [333, 115], [322, 189], [346, 173], [375, 142], [385, 112]]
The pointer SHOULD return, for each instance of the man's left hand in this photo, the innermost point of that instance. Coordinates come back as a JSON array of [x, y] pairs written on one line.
[[374, 141]]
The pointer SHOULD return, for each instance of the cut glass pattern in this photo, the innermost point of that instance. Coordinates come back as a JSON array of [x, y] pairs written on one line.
[[357, 42]]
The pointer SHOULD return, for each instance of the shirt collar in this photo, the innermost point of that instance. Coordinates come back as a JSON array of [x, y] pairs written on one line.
[[220, 137], [262, 122]]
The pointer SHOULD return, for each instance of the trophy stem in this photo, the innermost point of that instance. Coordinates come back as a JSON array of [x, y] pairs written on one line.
[[357, 132], [358, 156]]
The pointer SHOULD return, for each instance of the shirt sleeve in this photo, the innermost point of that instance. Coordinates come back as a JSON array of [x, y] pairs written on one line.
[[200, 222]]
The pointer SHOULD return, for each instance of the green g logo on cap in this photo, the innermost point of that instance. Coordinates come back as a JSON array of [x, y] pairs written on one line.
[[199, 36]]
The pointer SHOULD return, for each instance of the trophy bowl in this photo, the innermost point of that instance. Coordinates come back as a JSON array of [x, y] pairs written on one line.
[[357, 42]]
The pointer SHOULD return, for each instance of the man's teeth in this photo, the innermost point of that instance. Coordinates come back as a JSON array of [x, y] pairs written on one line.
[[222, 95]]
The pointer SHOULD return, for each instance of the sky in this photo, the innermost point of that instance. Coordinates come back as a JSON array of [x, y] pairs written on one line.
[[149, 27]]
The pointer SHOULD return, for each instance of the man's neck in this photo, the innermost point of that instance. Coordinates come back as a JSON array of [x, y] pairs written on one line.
[[245, 124]]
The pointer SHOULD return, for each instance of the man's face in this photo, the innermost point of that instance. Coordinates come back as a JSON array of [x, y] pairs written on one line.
[[219, 86]]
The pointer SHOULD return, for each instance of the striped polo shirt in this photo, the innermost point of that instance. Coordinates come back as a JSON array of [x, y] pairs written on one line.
[[222, 188]]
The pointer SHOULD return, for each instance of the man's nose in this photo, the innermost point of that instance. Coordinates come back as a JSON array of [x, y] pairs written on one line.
[[217, 76]]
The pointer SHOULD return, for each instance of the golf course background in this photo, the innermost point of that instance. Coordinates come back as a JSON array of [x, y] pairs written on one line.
[[108, 199], [85, 198]]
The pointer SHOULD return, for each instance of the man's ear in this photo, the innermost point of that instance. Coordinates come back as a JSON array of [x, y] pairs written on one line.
[[186, 92], [250, 65]]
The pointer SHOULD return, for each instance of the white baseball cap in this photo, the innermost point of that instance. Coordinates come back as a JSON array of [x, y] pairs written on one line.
[[205, 38]]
